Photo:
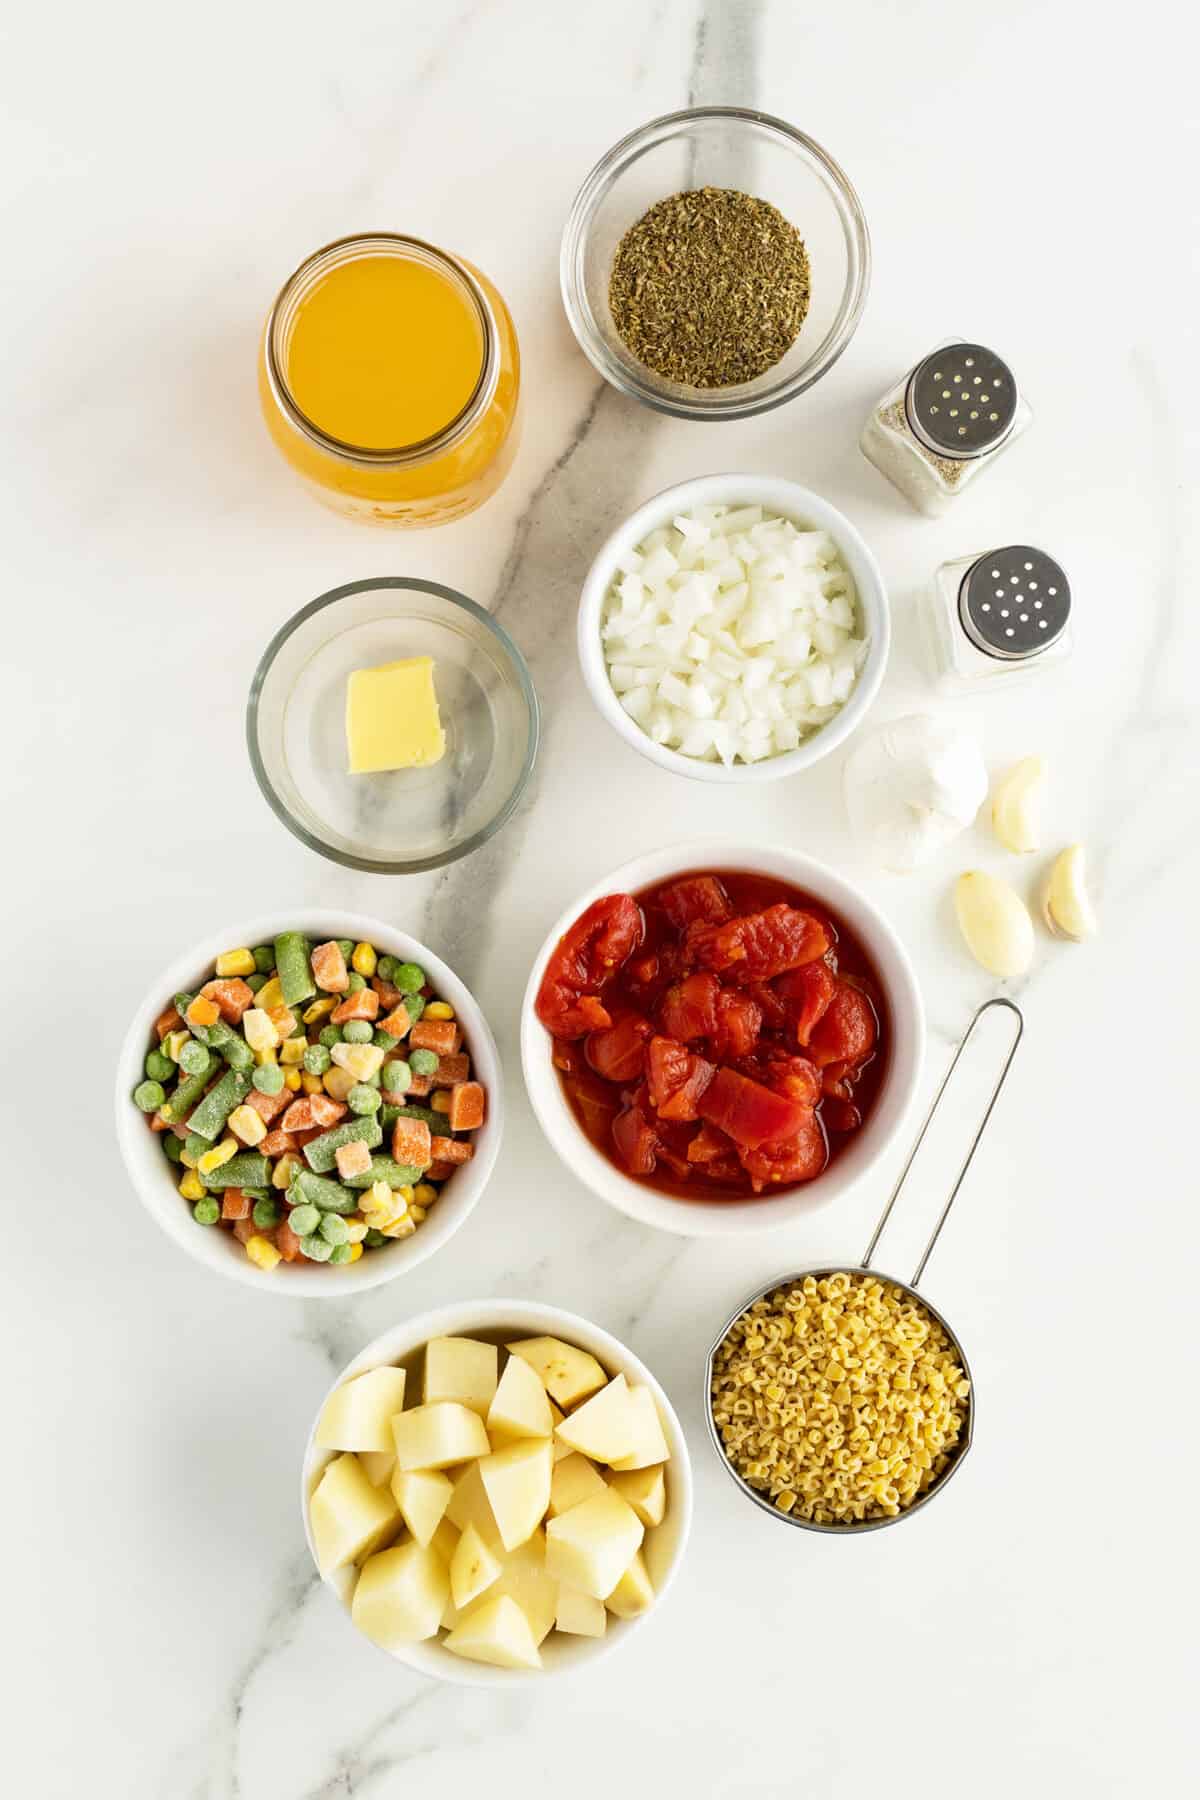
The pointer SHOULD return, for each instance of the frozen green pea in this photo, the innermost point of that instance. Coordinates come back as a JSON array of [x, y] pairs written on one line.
[[317, 1059], [358, 1031], [206, 1211], [195, 1145], [330, 1035], [357, 982], [194, 1059], [414, 1006], [424, 1062], [374, 1238], [255, 982], [266, 1213], [268, 1078], [149, 1096], [264, 958], [341, 1253], [316, 1249], [304, 1220], [385, 968], [396, 1077], [159, 1067], [362, 1098], [334, 1229], [409, 978], [292, 966], [256, 1193], [383, 1040], [172, 1148], [346, 946]]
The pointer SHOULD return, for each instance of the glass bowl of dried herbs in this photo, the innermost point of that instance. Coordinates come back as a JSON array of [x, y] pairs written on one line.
[[715, 263]]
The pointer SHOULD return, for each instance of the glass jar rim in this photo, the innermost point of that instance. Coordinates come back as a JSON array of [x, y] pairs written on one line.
[[304, 277]]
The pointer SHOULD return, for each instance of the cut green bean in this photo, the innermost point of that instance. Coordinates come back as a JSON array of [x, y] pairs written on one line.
[[208, 1120], [181, 1100], [249, 1169], [317, 1190], [292, 967], [321, 1153], [436, 1121], [384, 1168]]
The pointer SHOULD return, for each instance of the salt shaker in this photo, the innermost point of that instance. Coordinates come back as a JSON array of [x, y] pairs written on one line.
[[944, 422], [997, 616]]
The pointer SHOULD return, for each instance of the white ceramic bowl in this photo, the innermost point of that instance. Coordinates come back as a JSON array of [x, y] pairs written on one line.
[[735, 1218], [790, 501], [663, 1547], [156, 1179]]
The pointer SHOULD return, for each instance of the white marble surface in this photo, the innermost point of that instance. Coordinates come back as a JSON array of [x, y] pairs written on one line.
[[164, 1636]]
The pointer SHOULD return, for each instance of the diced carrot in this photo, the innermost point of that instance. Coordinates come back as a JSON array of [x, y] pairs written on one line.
[[363, 1005], [420, 1086], [286, 1242], [439, 1171], [235, 1204], [325, 1111], [203, 1011], [245, 1229], [299, 1115], [453, 1069], [467, 1106], [397, 1022], [352, 1159], [306, 1137], [329, 968], [277, 1143], [451, 1150], [267, 1105], [389, 996], [232, 995], [440, 1035], [158, 1124], [283, 1019], [167, 1021], [411, 1142]]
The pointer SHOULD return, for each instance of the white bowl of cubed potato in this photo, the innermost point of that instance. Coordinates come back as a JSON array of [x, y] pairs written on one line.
[[472, 1526]]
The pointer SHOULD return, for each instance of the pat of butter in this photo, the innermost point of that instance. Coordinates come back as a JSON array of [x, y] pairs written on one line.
[[392, 717]]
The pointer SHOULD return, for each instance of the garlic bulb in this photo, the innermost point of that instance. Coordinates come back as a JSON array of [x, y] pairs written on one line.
[[1016, 805], [1065, 905], [911, 786], [995, 923]]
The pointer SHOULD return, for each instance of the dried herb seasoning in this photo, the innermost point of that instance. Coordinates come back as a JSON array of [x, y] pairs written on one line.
[[710, 287]]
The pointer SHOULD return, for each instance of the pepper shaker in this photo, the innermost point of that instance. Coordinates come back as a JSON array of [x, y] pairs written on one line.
[[944, 422], [994, 617]]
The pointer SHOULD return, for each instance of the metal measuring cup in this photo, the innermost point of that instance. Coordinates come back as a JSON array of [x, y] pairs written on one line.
[[958, 1454]]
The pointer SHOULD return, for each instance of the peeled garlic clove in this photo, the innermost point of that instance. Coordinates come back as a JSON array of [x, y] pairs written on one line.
[[1016, 805], [1065, 905], [995, 923]]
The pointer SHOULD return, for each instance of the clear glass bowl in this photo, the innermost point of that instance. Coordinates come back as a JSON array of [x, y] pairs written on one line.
[[719, 146], [406, 820]]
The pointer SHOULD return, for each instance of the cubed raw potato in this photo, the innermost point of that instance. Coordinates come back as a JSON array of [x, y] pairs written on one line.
[[399, 1595], [580, 1614], [633, 1594], [422, 1496], [520, 1406], [461, 1369], [567, 1374], [650, 1444], [469, 1505], [574, 1480], [358, 1415], [522, 1575], [516, 1481], [496, 1631], [560, 1449], [445, 1542], [378, 1465], [437, 1435], [472, 1568], [349, 1517], [646, 1491], [604, 1427], [591, 1546]]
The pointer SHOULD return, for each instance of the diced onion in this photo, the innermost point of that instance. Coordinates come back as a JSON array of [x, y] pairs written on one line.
[[732, 634]]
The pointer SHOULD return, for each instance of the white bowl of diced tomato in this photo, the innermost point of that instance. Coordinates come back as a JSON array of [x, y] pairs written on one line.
[[718, 1037], [156, 1179]]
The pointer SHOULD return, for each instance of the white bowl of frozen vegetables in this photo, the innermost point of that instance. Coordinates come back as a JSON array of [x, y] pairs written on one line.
[[411, 1068]]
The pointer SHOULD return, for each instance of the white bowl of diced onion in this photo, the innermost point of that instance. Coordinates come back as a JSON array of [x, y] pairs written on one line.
[[734, 628]]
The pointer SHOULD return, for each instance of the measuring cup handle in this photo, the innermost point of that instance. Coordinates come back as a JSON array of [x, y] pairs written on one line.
[[1014, 1009]]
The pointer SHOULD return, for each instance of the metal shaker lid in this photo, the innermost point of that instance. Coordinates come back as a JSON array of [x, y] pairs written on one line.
[[1014, 603], [961, 401]]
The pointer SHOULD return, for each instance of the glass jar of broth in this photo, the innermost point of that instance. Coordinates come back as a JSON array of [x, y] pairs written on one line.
[[389, 377]]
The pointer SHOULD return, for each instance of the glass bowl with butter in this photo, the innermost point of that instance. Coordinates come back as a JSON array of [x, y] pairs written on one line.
[[392, 725]]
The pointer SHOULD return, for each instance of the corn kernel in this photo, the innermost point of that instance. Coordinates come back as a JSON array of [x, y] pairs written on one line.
[[439, 1009], [363, 960], [281, 1176], [235, 962], [355, 1253], [291, 1051], [248, 1126], [269, 995], [357, 1230], [187, 1159], [362, 1060], [425, 1193], [417, 1214], [191, 1187], [338, 1082], [174, 1041], [441, 1101], [403, 1227], [216, 1157], [259, 1029], [291, 1079], [262, 1252], [262, 1057], [320, 1009], [312, 1084]]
